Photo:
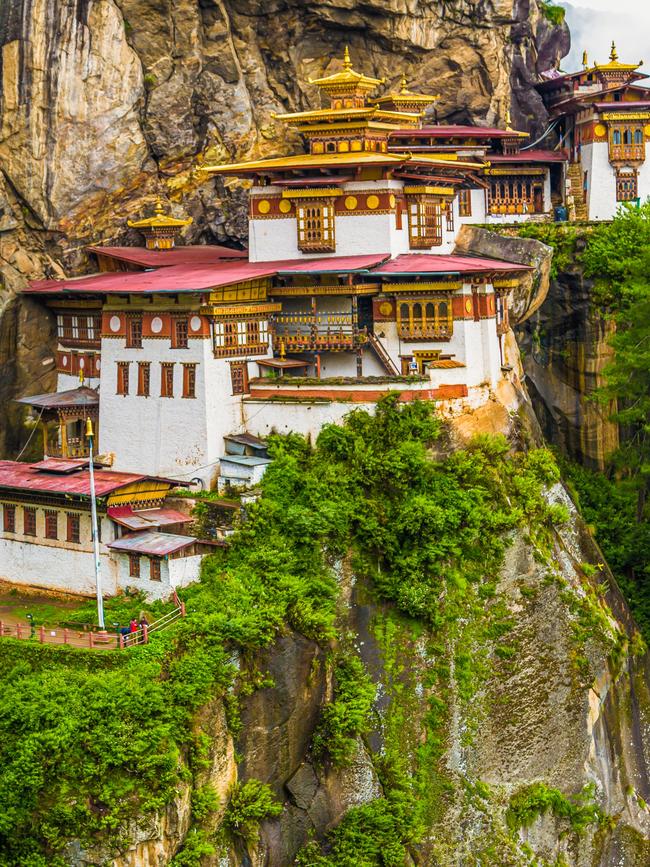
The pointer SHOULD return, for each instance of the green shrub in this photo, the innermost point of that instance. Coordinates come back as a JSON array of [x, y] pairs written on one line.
[[347, 716], [249, 805], [533, 801]]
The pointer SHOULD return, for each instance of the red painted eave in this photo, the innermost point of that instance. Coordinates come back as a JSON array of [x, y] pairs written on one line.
[[193, 255], [428, 263], [27, 477]]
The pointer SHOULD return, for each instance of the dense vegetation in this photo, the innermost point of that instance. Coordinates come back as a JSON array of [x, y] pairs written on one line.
[[88, 740], [616, 257]]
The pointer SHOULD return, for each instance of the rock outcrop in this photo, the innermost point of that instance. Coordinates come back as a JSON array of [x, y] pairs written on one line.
[[565, 348]]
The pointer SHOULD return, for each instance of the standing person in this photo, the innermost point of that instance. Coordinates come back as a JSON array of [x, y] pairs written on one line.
[[143, 624], [133, 627]]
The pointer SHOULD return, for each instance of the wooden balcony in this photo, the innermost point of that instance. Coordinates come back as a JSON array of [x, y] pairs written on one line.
[[76, 447], [304, 332], [627, 153], [441, 331]]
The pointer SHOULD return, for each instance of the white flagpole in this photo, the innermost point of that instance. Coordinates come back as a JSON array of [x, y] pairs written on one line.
[[93, 511]]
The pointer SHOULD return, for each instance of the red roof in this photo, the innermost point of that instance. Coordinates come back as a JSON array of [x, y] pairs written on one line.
[[146, 519], [453, 131], [531, 156], [623, 106], [28, 477], [195, 255], [184, 278], [429, 263], [151, 542]]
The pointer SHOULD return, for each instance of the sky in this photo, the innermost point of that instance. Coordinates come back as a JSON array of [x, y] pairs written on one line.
[[594, 23]]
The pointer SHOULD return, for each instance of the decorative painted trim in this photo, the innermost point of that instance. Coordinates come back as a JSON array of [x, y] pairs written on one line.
[[429, 191], [241, 310], [629, 115], [515, 171], [436, 285], [326, 192], [301, 291]]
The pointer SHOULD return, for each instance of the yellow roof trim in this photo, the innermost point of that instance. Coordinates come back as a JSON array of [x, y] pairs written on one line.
[[429, 191], [336, 113], [160, 220], [319, 193], [311, 160]]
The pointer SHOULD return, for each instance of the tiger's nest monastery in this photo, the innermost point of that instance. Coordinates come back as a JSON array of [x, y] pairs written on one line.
[[190, 355]]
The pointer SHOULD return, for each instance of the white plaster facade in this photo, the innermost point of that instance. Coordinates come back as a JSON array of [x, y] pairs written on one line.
[[174, 573], [169, 436], [601, 181]]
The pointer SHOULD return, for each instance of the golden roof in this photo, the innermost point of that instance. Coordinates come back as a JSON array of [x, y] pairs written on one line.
[[160, 220], [406, 97], [310, 161], [347, 79], [614, 65], [369, 112]]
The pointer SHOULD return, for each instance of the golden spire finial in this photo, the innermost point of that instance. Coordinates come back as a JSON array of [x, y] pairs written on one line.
[[508, 120], [613, 54], [402, 85], [160, 208], [347, 63], [585, 60]]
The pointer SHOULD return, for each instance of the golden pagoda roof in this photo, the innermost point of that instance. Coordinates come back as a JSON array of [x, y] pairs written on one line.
[[346, 79], [159, 220], [614, 65], [406, 96], [361, 158], [370, 112]]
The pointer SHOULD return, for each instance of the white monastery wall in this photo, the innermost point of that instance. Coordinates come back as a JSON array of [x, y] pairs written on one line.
[[478, 214], [56, 564], [602, 204], [157, 435], [303, 418], [643, 188], [178, 572]]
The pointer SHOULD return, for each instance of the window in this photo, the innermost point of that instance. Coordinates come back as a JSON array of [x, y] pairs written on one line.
[[429, 319], [189, 380], [449, 214], [425, 222], [154, 569], [239, 377], [464, 203], [123, 377], [240, 338], [167, 379], [626, 187], [134, 332], [144, 378], [616, 137], [74, 533], [9, 518], [51, 524], [627, 136], [29, 521], [180, 332], [638, 136], [316, 226], [134, 566]]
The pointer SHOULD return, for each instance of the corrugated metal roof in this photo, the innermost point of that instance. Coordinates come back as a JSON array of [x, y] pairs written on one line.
[[246, 439], [282, 363], [186, 278], [531, 156], [27, 477], [244, 460], [146, 519], [151, 542], [451, 131], [62, 465], [82, 396], [192, 255], [430, 263]]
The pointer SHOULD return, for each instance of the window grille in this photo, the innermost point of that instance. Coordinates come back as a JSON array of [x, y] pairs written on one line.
[[123, 377], [134, 332], [464, 203], [51, 524], [425, 319], [134, 566], [9, 518], [249, 337], [144, 378], [316, 226], [29, 521], [425, 222], [74, 528], [167, 379], [180, 333], [189, 380], [239, 377], [626, 187], [154, 569], [449, 214]]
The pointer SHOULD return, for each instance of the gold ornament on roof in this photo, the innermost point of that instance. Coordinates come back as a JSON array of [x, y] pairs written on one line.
[[613, 54], [160, 230], [585, 60]]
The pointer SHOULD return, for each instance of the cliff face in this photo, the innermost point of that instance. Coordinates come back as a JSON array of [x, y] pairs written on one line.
[[106, 103], [565, 348], [566, 708]]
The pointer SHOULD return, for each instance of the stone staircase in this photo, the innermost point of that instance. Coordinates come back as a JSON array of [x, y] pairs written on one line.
[[574, 173]]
